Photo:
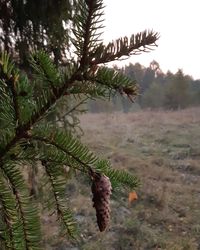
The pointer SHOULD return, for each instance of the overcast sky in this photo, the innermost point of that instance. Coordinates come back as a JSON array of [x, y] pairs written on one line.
[[177, 21]]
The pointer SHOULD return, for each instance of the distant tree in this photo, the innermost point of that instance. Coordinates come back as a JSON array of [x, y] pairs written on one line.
[[195, 92], [135, 71], [153, 97], [148, 79], [160, 78], [158, 89], [159, 75], [177, 93], [154, 65]]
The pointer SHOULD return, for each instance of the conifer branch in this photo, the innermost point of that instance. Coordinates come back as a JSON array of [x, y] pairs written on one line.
[[8, 213], [141, 42], [84, 159], [45, 70], [72, 109], [116, 176], [12, 84], [58, 187], [85, 165], [90, 88], [86, 38], [114, 81], [26, 211], [22, 129], [10, 76], [87, 23]]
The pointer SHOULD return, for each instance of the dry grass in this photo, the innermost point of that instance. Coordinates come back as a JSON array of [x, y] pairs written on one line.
[[163, 149]]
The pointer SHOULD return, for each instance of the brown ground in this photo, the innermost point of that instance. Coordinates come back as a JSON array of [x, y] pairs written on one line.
[[163, 150]]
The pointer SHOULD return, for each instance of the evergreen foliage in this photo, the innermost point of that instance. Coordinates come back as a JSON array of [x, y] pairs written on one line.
[[27, 138], [35, 24]]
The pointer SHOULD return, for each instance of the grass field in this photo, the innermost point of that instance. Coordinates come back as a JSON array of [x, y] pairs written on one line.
[[163, 150]]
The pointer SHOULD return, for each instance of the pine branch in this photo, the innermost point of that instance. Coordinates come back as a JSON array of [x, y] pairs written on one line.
[[141, 42], [117, 177], [93, 7], [89, 88], [9, 216], [26, 209], [45, 70], [104, 82], [69, 151], [21, 130], [58, 187], [76, 153], [72, 109], [7, 116], [114, 81], [87, 23], [10, 76]]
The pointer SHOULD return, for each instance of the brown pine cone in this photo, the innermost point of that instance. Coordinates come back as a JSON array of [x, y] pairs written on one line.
[[101, 189]]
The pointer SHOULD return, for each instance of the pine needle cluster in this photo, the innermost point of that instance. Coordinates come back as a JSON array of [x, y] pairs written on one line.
[[27, 138]]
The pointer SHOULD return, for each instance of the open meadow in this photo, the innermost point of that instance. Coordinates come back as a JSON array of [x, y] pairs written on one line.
[[162, 148]]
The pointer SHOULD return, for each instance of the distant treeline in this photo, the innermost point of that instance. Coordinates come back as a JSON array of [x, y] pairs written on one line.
[[157, 90]]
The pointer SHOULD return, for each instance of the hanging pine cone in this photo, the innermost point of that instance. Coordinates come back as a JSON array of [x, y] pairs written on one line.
[[101, 189]]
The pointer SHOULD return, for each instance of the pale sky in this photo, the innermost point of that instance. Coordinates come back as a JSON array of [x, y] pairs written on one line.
[[177, 22]]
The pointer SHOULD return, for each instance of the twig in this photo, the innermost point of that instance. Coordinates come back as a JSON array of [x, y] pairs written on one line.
[[72, 109]]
